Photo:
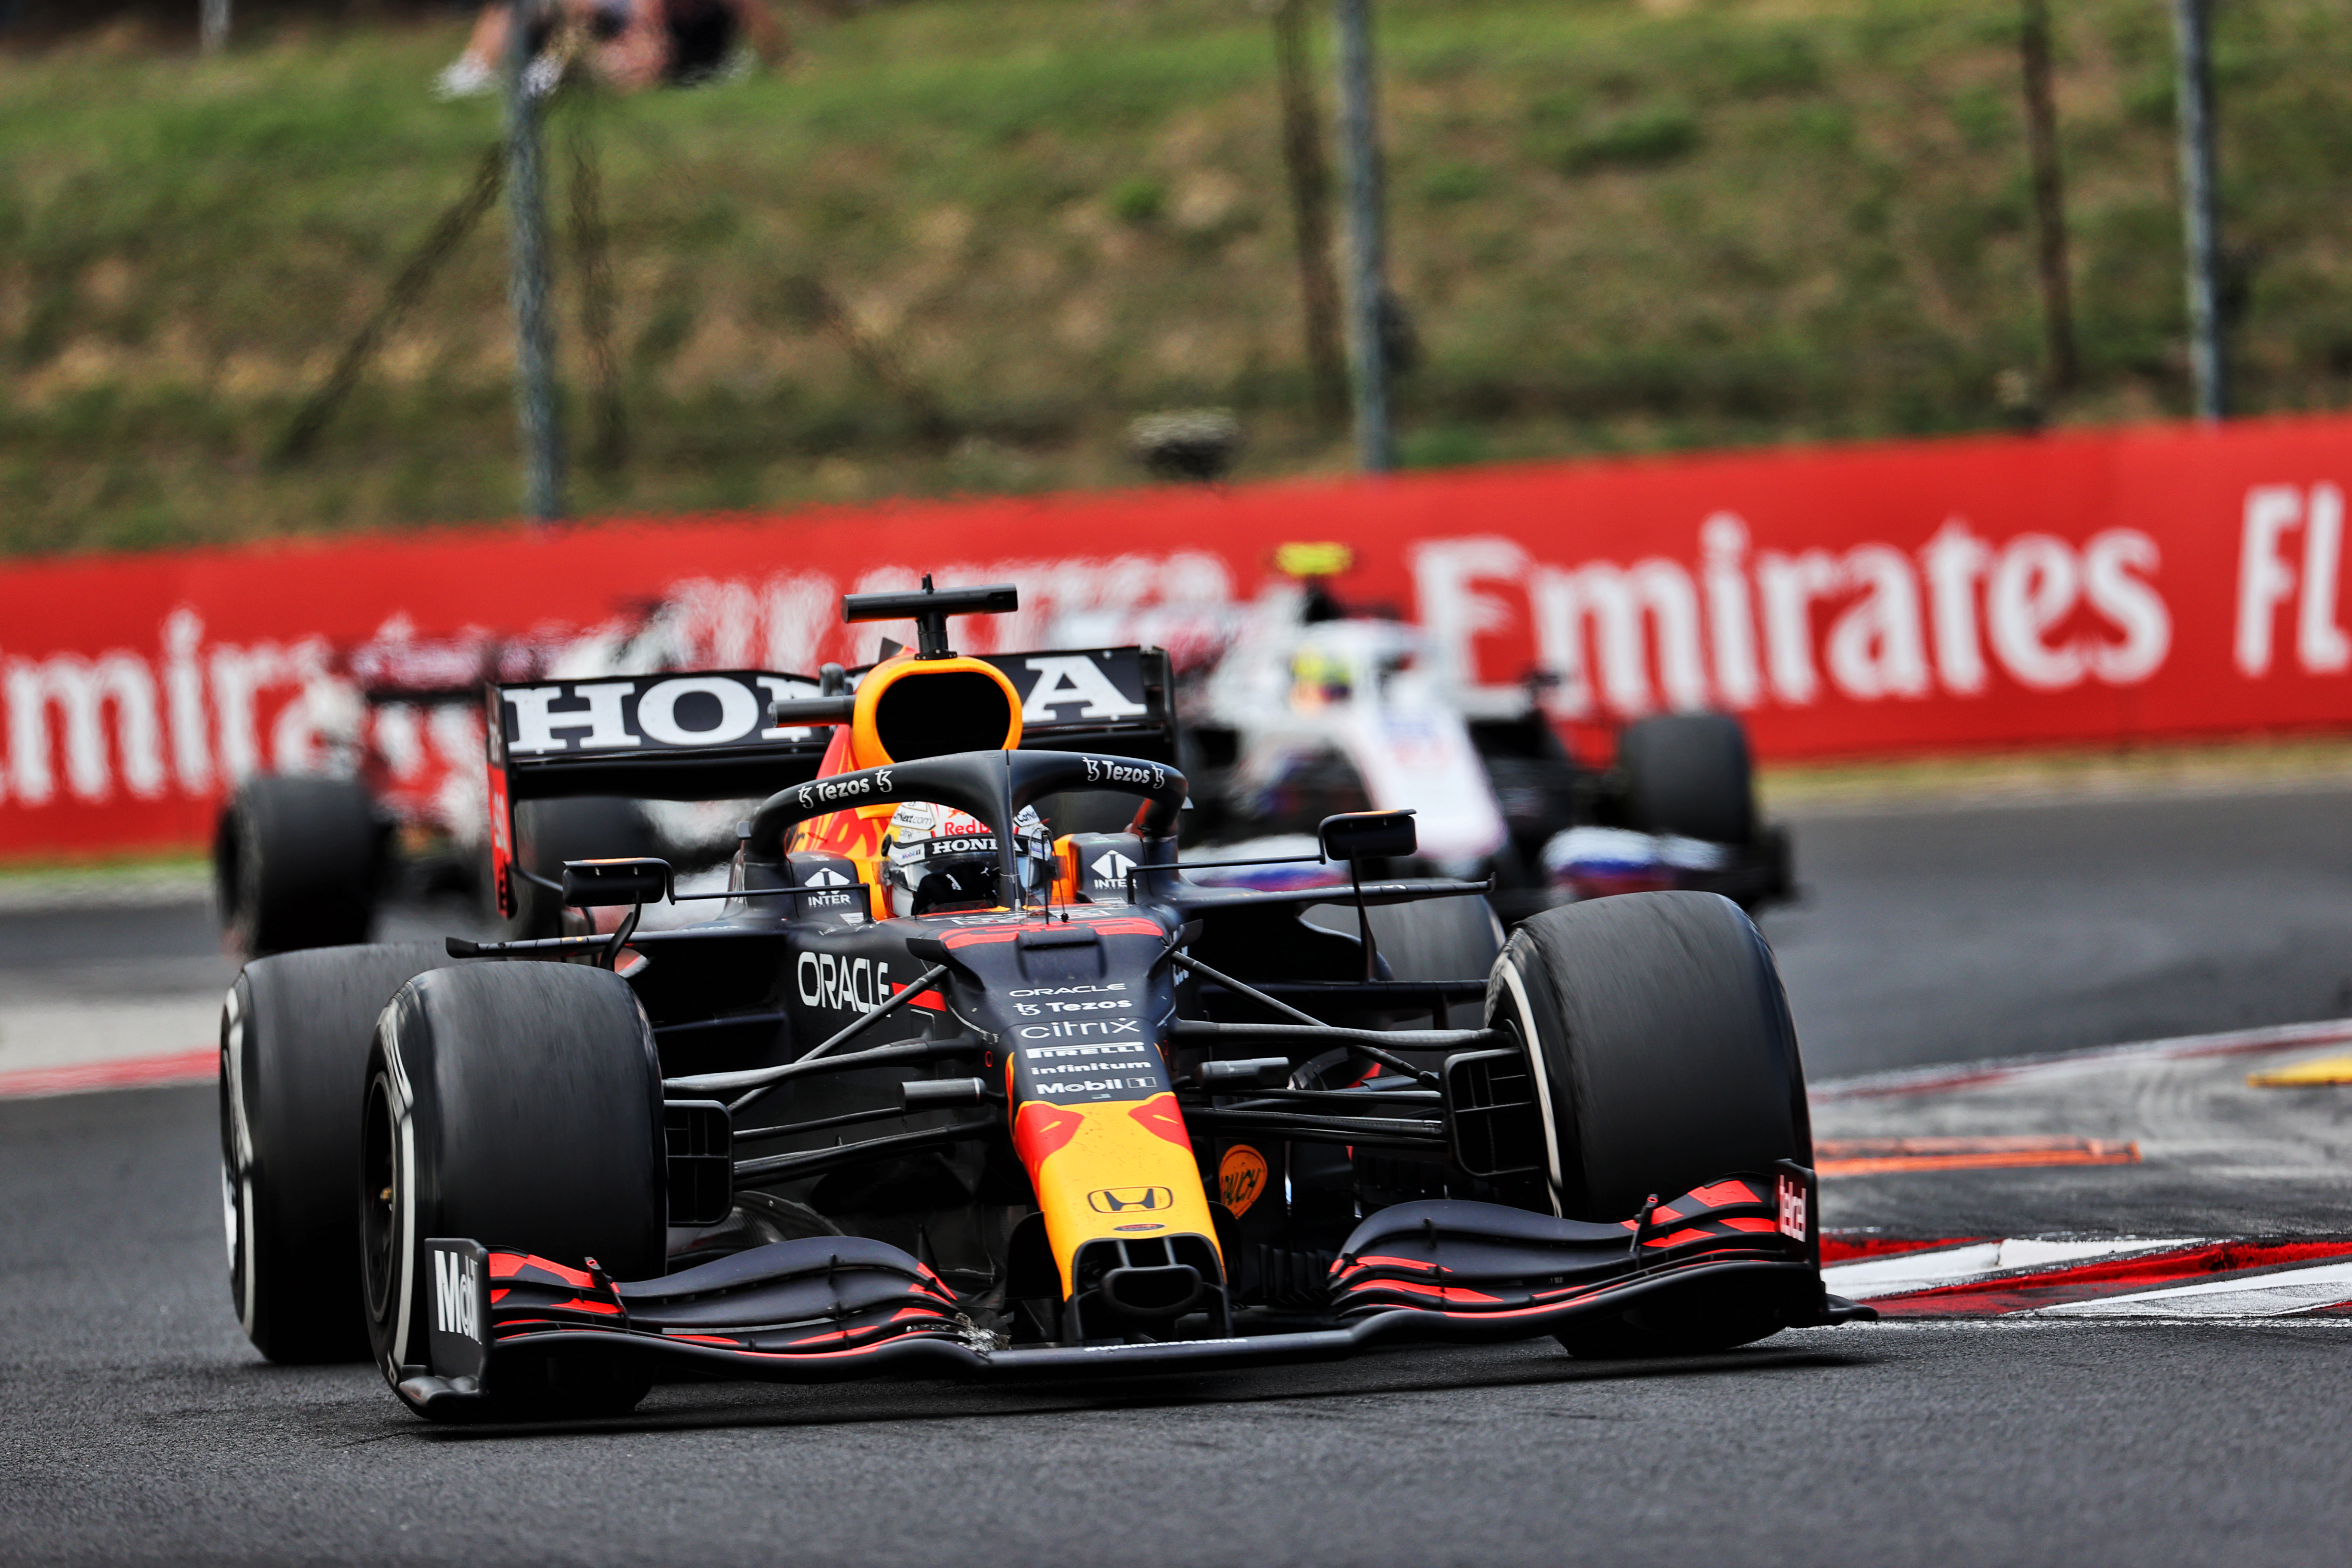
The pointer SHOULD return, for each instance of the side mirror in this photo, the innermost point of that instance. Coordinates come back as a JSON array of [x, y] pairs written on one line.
[[1359, 834], [793, 712], [604, 884], [1257, 1072]]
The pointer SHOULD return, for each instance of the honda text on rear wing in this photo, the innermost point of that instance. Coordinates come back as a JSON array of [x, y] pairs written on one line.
[[729, 734]]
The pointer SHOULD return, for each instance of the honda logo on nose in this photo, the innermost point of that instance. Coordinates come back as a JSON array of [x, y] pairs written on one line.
[[1126, 1200]]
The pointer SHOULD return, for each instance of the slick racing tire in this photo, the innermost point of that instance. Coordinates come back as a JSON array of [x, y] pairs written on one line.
[[584, 827], [519, 1105], [294, 1051], [1663, 1057], [1433, 939], [1437, 939], [296, 863], [1689, 775]]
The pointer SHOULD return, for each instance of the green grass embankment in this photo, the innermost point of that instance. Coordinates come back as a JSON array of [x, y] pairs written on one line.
[[1618, 226]]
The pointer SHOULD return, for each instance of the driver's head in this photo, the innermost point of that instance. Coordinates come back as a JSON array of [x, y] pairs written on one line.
[[943, 860]]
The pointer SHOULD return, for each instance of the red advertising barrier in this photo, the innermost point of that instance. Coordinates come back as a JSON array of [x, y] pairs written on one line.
[[2129, 585]]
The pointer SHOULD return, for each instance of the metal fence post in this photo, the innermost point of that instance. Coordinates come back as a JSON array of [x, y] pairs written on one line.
[[2049, 195], [2199, 214], [1367, 261], [542, 435], [212, 25], [1310, 200]]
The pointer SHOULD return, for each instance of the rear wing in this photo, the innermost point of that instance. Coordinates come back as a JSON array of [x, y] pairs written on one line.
[[708, 734]]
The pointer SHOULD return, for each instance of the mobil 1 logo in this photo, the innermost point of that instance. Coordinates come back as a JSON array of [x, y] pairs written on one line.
[[457, 1306]]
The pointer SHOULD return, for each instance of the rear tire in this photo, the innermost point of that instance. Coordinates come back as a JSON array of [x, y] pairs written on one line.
[[296, 863], [294, 1051], [584, 827], [1689, 775], [1438, 939], [1665, 1055], [519, 1105], [1433, 939]]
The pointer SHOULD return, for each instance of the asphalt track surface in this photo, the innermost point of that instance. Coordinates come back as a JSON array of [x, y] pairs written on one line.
[[1935, 936], [139, 1427]]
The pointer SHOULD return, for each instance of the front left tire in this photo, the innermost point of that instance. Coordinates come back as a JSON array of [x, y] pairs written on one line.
[[519, 1105]]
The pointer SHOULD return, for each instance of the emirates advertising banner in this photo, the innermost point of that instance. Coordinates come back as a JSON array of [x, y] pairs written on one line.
[[2107, 587]]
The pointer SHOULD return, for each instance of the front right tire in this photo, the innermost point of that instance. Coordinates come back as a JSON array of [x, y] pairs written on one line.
[[576, 827], [1664, 1058]]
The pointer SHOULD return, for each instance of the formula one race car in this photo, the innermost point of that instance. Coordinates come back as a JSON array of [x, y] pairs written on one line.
[[391, 800], [1314, 708], [941, 1093]]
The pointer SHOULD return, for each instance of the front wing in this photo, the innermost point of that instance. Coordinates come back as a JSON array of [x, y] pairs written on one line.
[[827, 1308]]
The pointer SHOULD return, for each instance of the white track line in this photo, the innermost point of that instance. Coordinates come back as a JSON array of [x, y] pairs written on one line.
[[1910, 1271], [2263, 1296], [1956, 1075], [1906, 1271], [48, 1031]]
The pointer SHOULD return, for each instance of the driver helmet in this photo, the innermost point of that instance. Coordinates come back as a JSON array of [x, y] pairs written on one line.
[[942, 860]]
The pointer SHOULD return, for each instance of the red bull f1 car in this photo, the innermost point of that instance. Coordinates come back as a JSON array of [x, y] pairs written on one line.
[[940, 1090]]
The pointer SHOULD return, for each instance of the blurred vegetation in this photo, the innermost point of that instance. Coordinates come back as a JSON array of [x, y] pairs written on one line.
[[959, 244]]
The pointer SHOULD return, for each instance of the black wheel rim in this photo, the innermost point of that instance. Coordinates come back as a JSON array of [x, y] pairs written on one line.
[[379, 1195], [232, 1216]]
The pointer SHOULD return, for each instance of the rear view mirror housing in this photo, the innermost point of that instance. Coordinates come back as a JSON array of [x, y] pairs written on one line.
[[607, 884], [1361, 835]]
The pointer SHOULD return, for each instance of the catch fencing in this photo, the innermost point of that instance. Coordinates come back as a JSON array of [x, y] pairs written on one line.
[[2138, 584]]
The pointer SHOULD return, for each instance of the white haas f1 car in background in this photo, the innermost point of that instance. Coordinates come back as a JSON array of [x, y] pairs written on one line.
[[1076, 1114], [1313, 709]]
